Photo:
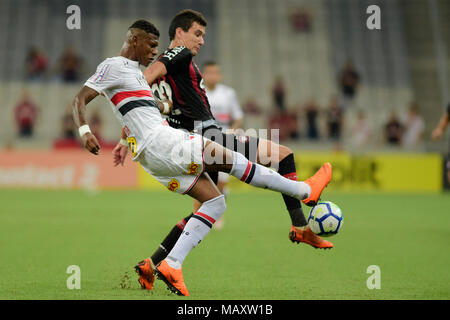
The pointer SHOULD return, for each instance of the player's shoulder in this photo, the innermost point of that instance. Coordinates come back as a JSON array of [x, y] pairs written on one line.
[[176, 52], [114, 62]]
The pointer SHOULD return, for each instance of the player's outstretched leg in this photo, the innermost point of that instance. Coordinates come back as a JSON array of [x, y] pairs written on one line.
[[283, 157], [268, 179], [308, 191]]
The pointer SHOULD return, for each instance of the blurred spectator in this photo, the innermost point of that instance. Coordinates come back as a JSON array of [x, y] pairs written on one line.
[[35, 64], [95, 124], [250, 106], [414, 128], [68, 126], [69, 139], [286, 123], [70, 65], [300, 19], [361, 132], [311, 113], [393, 130], [437, 133], [334, 119], [279, 93], [349, 82], [26, 112]]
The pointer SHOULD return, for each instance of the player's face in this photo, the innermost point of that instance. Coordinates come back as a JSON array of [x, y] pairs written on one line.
[[147, 49], [193, 39], [211, 75]]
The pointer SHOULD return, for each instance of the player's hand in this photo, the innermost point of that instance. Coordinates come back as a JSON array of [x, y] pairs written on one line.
[[119, 154], [170, 105], [437, 133], [90, 143]]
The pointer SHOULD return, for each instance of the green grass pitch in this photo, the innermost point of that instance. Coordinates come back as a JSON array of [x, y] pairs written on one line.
[[106, 233]]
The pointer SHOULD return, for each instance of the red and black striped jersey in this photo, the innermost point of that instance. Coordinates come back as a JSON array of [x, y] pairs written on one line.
[[183, 85]]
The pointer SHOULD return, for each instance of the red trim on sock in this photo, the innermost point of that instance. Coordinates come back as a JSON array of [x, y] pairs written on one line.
[[291, 176], [247, 170], [206, 217], [181, 224]]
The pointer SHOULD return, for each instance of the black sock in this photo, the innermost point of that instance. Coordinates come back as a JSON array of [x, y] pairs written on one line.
[[294, 206], [169, 241]]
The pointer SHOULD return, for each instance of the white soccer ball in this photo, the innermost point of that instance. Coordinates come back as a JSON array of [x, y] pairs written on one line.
[[325, 219]]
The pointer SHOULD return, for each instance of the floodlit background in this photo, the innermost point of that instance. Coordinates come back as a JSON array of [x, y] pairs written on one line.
[[365, 100]]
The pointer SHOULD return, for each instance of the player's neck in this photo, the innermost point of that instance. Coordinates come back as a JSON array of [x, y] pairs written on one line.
[[175, 43], [127, 53]]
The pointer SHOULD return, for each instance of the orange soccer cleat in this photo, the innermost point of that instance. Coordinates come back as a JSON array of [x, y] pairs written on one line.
[[318, 182], [306, 235], [146, 270], [172, 277]]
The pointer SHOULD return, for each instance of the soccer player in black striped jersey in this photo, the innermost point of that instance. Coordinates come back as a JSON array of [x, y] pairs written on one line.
[[437, 133], [175, 77]]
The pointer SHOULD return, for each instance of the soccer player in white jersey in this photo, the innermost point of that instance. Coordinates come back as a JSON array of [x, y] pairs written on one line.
[[174, 157], [226, 110]]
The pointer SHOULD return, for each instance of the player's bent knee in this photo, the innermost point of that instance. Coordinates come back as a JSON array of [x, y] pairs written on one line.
[[284, 152], [214, 207]]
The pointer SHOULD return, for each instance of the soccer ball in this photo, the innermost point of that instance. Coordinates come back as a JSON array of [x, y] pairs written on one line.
[[325, 219]]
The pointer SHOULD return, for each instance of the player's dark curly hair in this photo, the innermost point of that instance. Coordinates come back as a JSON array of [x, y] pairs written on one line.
[[145, 26], [184, 20]]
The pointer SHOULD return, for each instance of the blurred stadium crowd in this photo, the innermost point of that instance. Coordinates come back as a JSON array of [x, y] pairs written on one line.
[[311, 69]]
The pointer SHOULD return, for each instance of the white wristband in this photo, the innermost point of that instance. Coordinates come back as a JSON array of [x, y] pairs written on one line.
[[123, 142], [166, 108], [84, 129]]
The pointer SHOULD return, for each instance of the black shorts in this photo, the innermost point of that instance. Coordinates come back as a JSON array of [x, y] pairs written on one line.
[[245, 145]]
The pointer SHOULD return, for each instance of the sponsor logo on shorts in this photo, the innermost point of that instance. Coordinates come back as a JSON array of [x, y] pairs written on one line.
[[132, 145], [193, 168], [173, 185]]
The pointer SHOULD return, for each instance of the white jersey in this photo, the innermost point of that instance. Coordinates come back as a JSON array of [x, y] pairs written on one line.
[[121, 81], [224, 105]]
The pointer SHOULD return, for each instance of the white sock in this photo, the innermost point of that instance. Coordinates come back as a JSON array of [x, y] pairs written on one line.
[[262, 177], [196, 229], [193, 233]]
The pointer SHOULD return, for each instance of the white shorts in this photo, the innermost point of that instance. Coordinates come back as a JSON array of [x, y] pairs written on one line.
[[174, 158]]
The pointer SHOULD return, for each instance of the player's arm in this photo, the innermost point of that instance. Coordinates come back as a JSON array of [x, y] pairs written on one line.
[[440, 128], [79, 103], [173, 61], [152, 73], [155, 71]]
